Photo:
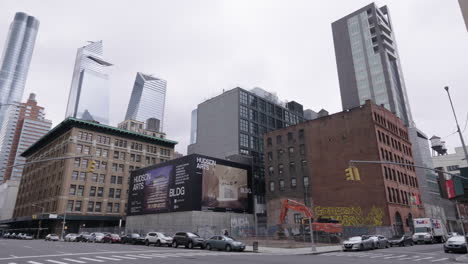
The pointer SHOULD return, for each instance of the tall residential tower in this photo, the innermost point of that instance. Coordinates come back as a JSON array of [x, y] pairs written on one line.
[[89, 91], [368, 61], [147, 100], [14, 68]]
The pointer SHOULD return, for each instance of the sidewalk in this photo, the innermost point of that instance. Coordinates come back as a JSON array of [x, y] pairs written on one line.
[[296, 251], [462, 259]]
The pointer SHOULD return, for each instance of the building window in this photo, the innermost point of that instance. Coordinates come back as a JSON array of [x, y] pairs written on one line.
[[292, 167], [290, 137], [100, 192], [254, 143], [94, 178], [270, 156], [269, 142], [244, 125], [119, 180], [271, 170], [280, 153], [79, 148], [302, 149], [453, 168], [82, 176], [272, 186], [90, 206], [78, 206], [243, 97], [116, 155], [105, 153], [118, 193], [70, 205], [122, 155], [253, 115], [109, 207], [111, 193], [86, 150], [281, 185], [244, 112], [293, 183], [72, 189], [306, 181], [116, 208], [92, 191], [77, 162], [74, 175], [138, 158], [291, 151], [121, 167], [244, 140], [278, 139], [280, 168], [80, 190], [301, 134], [254, 128], [84, 164]]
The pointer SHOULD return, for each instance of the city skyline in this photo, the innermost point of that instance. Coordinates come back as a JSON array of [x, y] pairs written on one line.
[[300, 67]]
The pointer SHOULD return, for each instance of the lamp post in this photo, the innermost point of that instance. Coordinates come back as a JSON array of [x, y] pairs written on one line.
[[464, 150], [63, 223], [40, 219]]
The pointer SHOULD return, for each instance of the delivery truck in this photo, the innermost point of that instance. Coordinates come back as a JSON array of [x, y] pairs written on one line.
[[429, 230]]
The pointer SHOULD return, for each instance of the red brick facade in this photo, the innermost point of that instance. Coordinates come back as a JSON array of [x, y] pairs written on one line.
[[319, 151]]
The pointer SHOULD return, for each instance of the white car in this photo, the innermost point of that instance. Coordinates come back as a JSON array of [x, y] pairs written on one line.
[[70, 237], [379, 241], [358, 243], [27, 237], [456, 244], [158, 239], [97, 237], [52, 237]]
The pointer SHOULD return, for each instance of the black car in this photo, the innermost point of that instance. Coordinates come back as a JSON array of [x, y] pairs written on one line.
[[401, 241], [133, 239], [189, 240]]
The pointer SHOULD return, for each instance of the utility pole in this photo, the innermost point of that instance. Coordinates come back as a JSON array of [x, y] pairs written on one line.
[[40, 219], [466, 157]]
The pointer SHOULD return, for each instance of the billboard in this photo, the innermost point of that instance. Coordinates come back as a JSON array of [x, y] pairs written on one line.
[[190, 183]]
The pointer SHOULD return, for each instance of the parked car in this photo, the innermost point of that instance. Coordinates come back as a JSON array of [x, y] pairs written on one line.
[[452, 234], [132, 239], [111, 238], [83, 237], [27, 237], [71, 237], [224, 243], [187, 239], [158, 239], [379, 241], [358, 243], [52, 237], [401, 241], [455, 244], [96, 237]]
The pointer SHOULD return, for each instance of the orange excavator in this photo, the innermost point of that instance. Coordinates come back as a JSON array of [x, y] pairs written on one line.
[[321, 226]]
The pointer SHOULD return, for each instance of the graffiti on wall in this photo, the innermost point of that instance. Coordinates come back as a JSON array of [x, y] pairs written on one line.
[[241, 227], [352, 215]]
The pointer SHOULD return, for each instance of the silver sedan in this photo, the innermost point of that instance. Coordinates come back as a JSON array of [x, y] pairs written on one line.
[[358, 243]]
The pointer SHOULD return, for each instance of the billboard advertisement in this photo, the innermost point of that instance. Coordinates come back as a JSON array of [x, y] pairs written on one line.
[[190, 183]]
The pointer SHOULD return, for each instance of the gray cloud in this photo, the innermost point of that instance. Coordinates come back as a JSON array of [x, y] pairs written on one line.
[[203, 47]]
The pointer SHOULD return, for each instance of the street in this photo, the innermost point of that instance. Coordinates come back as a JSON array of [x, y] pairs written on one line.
[[42, 252]]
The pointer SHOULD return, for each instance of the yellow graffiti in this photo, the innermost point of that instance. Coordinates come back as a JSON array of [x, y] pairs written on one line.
[[352, 216]]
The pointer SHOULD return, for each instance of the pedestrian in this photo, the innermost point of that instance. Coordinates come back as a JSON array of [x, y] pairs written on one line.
[[226, 233]]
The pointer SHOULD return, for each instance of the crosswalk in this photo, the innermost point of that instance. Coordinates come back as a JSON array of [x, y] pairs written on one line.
[[403, 257], [123, 258]]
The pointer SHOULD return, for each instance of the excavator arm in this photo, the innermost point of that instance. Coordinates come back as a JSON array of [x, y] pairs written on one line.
[[296, 206]]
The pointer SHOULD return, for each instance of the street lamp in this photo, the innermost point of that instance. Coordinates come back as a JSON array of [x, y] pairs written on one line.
[[464, 150], [63, 223], [40, 219]]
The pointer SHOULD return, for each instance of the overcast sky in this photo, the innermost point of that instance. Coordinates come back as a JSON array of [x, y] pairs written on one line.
[[204, 46]]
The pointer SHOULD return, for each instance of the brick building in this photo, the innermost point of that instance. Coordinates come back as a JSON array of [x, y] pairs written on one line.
[[89, 199], [306, 162]]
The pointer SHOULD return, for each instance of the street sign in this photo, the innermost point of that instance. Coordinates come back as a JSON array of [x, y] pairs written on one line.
[[53, 216]]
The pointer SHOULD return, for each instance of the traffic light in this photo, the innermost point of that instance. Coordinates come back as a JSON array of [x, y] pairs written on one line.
[[91, 166], [352, 174]]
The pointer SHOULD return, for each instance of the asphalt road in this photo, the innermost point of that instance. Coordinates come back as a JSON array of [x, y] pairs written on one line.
[[42, 252]]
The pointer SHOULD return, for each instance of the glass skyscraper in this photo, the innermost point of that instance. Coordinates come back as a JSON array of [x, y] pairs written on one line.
[[14, 68], [147, 100], [89, 91], [368, 61]]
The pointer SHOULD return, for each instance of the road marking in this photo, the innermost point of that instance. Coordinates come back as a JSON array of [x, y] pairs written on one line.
[[399, 256], [422, 258], [437, 260], [90, 259], [381, 256], [122, 257], [27, 247], [138, 256], [413, 257], [13, 256], [55, 261], [74, 260], [34, 262], [108, 258]]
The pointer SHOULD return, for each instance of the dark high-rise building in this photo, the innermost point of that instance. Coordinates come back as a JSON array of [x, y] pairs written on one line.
[[231, 125], [368, 61]]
